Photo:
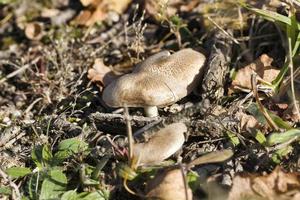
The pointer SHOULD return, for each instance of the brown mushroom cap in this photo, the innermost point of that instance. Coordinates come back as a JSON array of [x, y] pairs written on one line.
[[161, 145], [160, 80]]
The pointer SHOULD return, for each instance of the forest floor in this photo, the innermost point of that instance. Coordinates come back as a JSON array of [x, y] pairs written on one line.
[[241, 130]]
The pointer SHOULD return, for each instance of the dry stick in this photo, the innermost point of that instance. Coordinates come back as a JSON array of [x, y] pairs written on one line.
[[284, 85], [184, 182], [129, 135], [291, 66], [9, 143], [21, 69], [261, 107], [111, 116], [130, 147], [28, 109], [226, 33]]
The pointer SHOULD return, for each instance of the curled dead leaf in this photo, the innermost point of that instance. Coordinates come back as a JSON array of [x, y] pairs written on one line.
[[161, 145], [169, 184], [277, 185], [100, 74], [247, 121], [261, 66], [34, 31]]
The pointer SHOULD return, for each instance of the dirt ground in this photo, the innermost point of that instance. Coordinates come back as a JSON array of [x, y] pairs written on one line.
[[60, 140]]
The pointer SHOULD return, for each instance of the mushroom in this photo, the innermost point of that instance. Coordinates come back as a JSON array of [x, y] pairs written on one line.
[[160, 80], [161, 145]]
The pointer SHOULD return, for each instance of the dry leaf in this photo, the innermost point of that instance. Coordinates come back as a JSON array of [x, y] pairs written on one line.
[[212, 157], [101, 74], [261, 66], [169, 184], [161, 145], [86, 3], [247, 121], [275, 186], [97, 10], [34, 31]]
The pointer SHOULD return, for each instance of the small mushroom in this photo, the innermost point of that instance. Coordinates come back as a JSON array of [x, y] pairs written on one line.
[[161, 145], [160, 80]]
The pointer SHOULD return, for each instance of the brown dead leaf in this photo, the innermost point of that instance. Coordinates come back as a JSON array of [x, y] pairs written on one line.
[[101, 74], [169, 184], [34, 31], [261, 66], [97, 10], [276, 186], [161, 145], [247, 121]]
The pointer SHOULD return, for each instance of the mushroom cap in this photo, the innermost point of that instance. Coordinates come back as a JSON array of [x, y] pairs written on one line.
[[160, 80], [161, 145]]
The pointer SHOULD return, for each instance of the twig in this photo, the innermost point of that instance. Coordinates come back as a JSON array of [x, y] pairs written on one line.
[[13, 140], [20, 70], [129, 135], [32, 104], [110, 116], [261, 107], [291, 66], [226, 33], [182, 170]]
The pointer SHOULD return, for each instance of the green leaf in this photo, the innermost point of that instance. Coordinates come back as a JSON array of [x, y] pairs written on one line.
[[18, 172], [54, 185], [296, 45], [280, 153], [42, 156], [46, 154], [33, 185], [254, 110], [279, 122], [260, 137], [124, 171], [69, 147], [233, 138], [5, 190], [271, 16], [277, 138], [193, 180], [97, 195], [69, 195], [36, 156], [7, 1]]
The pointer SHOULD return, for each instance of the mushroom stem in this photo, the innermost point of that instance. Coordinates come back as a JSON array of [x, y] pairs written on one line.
[[151, 111]]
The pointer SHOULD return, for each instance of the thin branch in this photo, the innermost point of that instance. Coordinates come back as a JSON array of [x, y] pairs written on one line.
[[20, 70], [261, 107]]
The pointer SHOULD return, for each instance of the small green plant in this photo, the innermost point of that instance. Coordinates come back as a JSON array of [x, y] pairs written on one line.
[[49, 179], [291, 27]]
